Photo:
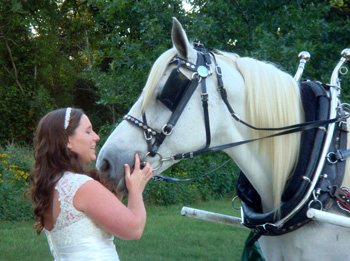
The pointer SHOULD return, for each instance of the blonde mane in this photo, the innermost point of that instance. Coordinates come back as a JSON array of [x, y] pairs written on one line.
[[273, 100], [155, 75]]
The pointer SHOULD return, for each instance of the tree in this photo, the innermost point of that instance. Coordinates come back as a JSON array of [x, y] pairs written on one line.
[[135, 33], [41, 55], [96, 54], [276, 31]]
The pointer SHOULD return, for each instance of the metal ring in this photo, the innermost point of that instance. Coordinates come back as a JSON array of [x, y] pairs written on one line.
[[167, 133], [233, 203], [317, 201], [343, 70], [160, 160], [329, 155], [344, 107]]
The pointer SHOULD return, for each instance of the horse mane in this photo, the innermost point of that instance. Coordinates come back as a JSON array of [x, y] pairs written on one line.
[[155, 75], [273, 100]]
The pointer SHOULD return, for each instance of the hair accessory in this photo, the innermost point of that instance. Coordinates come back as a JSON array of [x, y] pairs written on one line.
[[67, 117]]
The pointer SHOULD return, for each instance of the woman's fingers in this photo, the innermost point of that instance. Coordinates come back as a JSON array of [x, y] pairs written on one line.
[[137, 161], [127, 170]]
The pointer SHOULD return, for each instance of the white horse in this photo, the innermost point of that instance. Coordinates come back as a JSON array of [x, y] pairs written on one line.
[[260, 94]]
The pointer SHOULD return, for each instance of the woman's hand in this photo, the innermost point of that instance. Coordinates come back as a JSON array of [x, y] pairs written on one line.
[[137, 181]]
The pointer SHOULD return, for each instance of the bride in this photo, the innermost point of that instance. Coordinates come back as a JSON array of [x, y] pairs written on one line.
[[76, 208]]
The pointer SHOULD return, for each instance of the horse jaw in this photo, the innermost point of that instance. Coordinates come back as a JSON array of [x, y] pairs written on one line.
[[181, 43]]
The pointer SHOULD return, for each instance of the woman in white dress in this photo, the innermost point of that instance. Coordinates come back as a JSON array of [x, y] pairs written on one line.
[[78, 209]]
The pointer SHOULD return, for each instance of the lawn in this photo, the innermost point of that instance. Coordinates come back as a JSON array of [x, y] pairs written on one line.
[[167, 236]]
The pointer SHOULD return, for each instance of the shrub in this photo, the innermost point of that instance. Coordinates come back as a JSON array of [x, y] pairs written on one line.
[[15, 164], [219, 184]]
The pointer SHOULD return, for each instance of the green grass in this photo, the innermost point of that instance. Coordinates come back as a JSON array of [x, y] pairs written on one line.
[[167, 236]]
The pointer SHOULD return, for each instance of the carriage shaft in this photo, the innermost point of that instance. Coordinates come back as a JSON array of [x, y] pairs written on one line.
[[330, 218], [212, 217]]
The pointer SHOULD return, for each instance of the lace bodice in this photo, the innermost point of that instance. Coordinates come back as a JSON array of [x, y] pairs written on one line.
[[75, 236]]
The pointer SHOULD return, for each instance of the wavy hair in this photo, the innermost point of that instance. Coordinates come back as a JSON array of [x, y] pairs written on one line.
[[53, 159]]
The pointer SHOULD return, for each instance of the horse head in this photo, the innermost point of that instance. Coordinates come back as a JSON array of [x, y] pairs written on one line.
[[189, 134]]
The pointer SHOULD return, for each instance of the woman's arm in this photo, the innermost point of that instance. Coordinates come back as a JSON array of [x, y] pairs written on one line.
[[104, 208]]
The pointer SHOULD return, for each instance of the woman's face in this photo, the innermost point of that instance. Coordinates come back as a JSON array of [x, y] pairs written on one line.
[[83, 141]]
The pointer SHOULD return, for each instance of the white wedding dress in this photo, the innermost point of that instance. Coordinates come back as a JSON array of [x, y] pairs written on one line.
[[75, 236]]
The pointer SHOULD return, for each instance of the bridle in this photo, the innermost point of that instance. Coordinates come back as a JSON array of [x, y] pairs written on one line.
[[177, 104]]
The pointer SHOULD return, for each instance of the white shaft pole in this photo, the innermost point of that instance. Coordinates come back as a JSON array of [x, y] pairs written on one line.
[[323, 216], [212, 217]]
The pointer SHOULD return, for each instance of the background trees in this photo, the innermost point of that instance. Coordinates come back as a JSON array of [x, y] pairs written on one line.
[[96, 54]]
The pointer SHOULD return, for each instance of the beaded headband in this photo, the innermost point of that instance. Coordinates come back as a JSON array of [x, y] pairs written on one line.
[[67, 117]]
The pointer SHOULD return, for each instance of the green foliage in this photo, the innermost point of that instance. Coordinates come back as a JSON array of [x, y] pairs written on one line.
[[135, 33], [217, 185], [15, 164], [248, 29]]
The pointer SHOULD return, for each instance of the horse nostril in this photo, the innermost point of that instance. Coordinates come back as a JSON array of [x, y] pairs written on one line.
[[105, 166]]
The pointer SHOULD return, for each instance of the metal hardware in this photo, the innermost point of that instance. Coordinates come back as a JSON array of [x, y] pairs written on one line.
[[316, 200], [343, 70], [233, 203], [147, 136], [202, 71], [218, 70], [160, 160], [172, 158], [306, 178], [165, 132], [332, 158], [345, 109], [304, 58]]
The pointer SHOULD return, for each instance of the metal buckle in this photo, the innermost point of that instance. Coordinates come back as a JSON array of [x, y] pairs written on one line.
[[147, 136]]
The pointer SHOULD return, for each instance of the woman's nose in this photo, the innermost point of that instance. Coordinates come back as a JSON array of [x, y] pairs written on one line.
[[97, 138]]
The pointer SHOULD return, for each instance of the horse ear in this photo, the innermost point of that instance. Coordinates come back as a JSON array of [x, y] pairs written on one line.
[[180, 40]]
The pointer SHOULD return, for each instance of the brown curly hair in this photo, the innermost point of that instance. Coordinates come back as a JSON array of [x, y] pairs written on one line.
[[53, 159]]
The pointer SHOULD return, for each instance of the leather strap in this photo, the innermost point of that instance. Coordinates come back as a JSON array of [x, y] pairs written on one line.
[[290, 129]]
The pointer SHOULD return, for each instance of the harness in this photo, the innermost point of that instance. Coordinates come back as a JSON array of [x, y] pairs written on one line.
[[319, 173], [316, 103]]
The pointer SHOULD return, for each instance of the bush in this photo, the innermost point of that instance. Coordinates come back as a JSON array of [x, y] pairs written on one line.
[[15, 165], [217, 185]]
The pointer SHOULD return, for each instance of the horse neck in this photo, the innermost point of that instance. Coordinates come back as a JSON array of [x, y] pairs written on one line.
[[271, 99]]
